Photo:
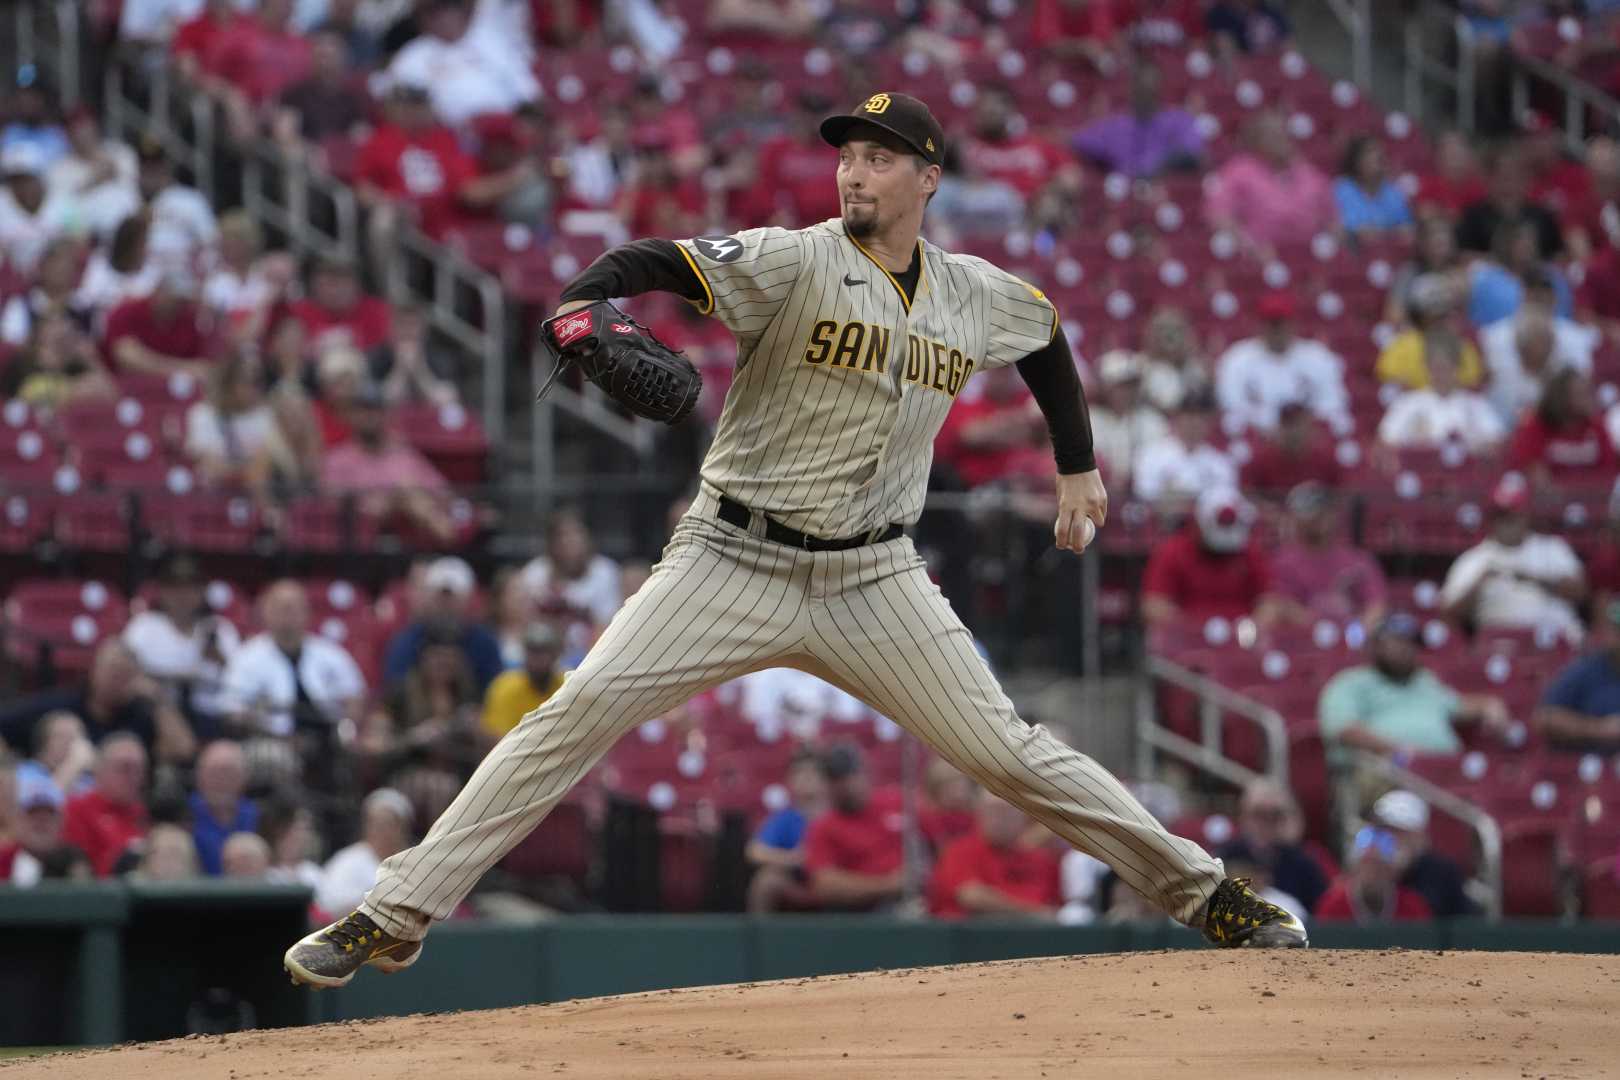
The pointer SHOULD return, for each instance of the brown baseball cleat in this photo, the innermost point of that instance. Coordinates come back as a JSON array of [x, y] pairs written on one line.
[[1236, 916], [330, 957]]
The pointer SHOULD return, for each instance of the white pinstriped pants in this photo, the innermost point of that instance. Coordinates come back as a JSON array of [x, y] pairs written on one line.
[[723, 602]]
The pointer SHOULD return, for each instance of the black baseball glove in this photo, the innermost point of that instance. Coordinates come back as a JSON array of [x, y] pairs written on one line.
[[622, 357]]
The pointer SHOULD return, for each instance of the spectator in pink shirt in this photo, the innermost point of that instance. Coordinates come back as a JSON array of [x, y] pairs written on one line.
[[389, 478], [1319, 574], [1269, 195]]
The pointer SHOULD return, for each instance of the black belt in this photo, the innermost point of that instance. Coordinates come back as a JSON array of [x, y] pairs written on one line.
[[735, 513]]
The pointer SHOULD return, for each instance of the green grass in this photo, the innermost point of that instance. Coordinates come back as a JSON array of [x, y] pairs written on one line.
[[7, 1052]]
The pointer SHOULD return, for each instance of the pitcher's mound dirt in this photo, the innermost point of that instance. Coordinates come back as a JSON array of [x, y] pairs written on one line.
[[1188, 1015]]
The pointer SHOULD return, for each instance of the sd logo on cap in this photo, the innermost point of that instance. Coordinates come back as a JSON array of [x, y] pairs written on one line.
[[901, 115]]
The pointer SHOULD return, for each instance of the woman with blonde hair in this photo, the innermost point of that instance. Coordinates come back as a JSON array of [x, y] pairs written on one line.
[[240, 436], [245, 284]]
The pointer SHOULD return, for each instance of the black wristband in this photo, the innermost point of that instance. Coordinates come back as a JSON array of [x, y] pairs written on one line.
[[1049, 373]]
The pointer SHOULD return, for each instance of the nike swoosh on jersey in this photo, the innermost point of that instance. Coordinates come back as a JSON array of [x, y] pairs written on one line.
[[853, 281]]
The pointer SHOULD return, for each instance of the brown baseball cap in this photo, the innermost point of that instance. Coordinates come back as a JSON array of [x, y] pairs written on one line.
[[901, 115]]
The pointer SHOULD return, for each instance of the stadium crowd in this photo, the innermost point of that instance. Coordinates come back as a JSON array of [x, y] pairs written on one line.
[[1252, 419]]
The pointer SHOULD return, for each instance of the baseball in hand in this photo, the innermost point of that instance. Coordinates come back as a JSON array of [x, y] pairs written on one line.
[[1088, 532]]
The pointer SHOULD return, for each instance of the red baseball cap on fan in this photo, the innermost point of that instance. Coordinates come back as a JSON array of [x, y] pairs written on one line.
[[1224, 519], [1276, 305], [1511, 495]]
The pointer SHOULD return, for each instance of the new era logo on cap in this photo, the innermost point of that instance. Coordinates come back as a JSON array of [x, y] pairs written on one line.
[[571, 328]]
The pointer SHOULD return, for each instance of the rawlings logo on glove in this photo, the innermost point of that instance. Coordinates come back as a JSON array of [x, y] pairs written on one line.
[[624, 359], [570, 328]]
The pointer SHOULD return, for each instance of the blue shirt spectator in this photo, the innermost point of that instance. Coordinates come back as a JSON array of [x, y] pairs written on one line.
[[1369, 201], [443, 606], [1494, 292], [1384, 209], [477, 644], [783, 830], [1580, 710], [218, 806]]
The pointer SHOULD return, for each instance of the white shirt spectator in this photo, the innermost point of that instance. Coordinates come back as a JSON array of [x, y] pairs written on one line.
[[235, 295], [183, 230], [1426, 420], [348, 875], [1512, 389], [372, 16], [163, 652], [1081, 878], [102, 288], [789, 703], [595, 592], [1168, 469], [483, 71], [1120, 439], [155, 21], [236, 438], [306, 873], [1252, 383], [1506, 601], [260, 679], [655, 35], [103, 207], [17, 316], [24, 236]]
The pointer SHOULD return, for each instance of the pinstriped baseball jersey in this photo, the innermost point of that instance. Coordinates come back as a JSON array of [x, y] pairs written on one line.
[[842, 380]]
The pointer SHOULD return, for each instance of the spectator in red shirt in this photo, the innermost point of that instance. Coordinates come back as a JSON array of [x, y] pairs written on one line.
[[412, 158], [1455, 181], [1023, 161], [990, 871], [1320, 574], [797, 166], [339, 374], [1603, 567], [948, 802], [658, 201], [1593, 222], [1088, 30], [338, 312], [854, 853], [1368, 891], [512, 182], [1210, 568], [390, 479], [195, 42], [255, 58], [262, 55], [1300, 451], [110, 817], [329, 103], [1563, 439], [163, 334]]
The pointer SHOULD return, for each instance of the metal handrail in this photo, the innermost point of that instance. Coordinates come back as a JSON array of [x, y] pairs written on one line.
[[1579, 96], [32, 40], [1356, 16], [1205, 753], [1457, 75], [1215, 699], [1446, 802]]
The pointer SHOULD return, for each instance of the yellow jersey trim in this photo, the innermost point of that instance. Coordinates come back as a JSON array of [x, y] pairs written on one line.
[[707, 307], [922, 270]]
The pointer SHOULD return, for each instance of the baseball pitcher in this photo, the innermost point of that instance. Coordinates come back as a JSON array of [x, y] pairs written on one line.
[[854, 337]]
